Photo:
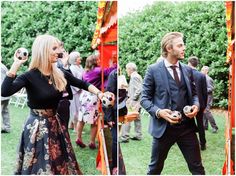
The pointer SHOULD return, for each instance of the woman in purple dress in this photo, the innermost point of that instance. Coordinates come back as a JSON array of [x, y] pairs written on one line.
[[45, 146], [88, 112]]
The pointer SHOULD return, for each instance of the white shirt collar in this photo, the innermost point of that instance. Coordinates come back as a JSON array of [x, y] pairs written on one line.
[[133, 73], [168, 64]]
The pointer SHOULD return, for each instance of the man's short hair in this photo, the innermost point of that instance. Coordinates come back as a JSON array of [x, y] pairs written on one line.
[[167, 40], [193, 60], [132, 65]]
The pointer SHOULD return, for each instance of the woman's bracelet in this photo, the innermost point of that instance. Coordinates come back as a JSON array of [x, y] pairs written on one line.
[[98, 93]]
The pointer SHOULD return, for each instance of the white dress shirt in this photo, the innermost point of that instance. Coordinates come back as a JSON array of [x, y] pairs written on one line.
[[170, 70]]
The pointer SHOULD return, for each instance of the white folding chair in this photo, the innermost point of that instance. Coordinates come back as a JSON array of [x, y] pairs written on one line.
[[19, 99]]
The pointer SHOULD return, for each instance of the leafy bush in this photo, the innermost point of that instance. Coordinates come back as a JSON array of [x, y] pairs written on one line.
[[203, 25], [72, 22]]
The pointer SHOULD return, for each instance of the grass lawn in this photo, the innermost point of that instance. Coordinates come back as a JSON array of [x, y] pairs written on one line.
[[137, 154], [9, 143]]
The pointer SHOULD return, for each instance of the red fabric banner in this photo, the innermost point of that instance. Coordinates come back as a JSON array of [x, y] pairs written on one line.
[[108, 54]]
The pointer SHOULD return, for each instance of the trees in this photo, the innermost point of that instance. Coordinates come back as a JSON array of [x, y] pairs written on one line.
[[204, 29], [73, 22]]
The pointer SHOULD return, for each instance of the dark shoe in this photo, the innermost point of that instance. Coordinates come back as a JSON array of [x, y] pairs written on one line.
[[80, 143], [214, 130], [5, 131], [92, 146], [203, 147], [124, 140], [136, 138]]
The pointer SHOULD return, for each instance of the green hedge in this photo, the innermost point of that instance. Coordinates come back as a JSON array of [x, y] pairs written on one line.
[[203, 25], [72, 22]]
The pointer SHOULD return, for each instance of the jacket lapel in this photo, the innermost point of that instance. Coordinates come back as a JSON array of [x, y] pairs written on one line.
[[186, 78], [164, 76]]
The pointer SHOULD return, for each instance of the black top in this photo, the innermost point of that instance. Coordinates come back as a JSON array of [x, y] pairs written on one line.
[[41, 94]]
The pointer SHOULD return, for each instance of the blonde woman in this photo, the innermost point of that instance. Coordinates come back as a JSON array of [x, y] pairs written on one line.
[[45, 146]]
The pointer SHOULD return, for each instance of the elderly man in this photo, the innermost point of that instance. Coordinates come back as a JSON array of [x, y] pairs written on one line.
[[207, 113], [134, 94]]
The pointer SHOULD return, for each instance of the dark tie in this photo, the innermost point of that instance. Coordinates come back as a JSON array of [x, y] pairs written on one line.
[[175, 74]]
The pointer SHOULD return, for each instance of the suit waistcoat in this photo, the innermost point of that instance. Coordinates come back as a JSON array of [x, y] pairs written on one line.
[[178, 94]]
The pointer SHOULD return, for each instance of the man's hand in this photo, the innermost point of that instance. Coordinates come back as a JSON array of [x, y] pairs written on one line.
[[194, 113], [166, 114], [111, 123]]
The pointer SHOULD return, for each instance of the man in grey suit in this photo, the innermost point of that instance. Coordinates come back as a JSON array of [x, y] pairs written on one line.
[[134, 94], [207, 113], [6, 127], [169, 86]]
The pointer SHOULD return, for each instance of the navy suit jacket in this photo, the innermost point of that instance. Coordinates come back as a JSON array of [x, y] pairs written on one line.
[[201, 88], [156, 94]]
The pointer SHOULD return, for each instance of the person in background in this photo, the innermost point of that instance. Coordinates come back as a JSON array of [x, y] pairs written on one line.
[[88, 112], [169, 86], [123, 96], [77, 70], [6, 126], [45, 147], [133, 102], [201, 88], [110, 116], [207, 113], [63, 108], [122, 111]]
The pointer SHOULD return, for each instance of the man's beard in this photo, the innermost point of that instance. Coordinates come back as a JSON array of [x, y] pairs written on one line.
[[179, 58]]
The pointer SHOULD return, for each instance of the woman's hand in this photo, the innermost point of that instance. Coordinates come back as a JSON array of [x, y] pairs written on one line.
[[100, 95], [19, 61], [16, 64]]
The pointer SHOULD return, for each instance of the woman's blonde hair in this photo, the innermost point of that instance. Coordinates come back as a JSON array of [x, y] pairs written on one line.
[[41, 60]]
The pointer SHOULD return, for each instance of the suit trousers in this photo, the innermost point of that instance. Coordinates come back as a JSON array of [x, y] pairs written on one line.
[[201, 129], [5, 115], [207, 116], [186, 140]]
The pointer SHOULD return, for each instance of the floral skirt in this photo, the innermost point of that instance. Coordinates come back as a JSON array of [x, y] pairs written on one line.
[[88, 111], [45, 147]]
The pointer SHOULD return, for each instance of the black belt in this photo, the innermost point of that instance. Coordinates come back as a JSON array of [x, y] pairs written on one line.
[[44, 112]]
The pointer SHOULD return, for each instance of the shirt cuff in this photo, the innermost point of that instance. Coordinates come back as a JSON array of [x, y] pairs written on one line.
[[157, 114]]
